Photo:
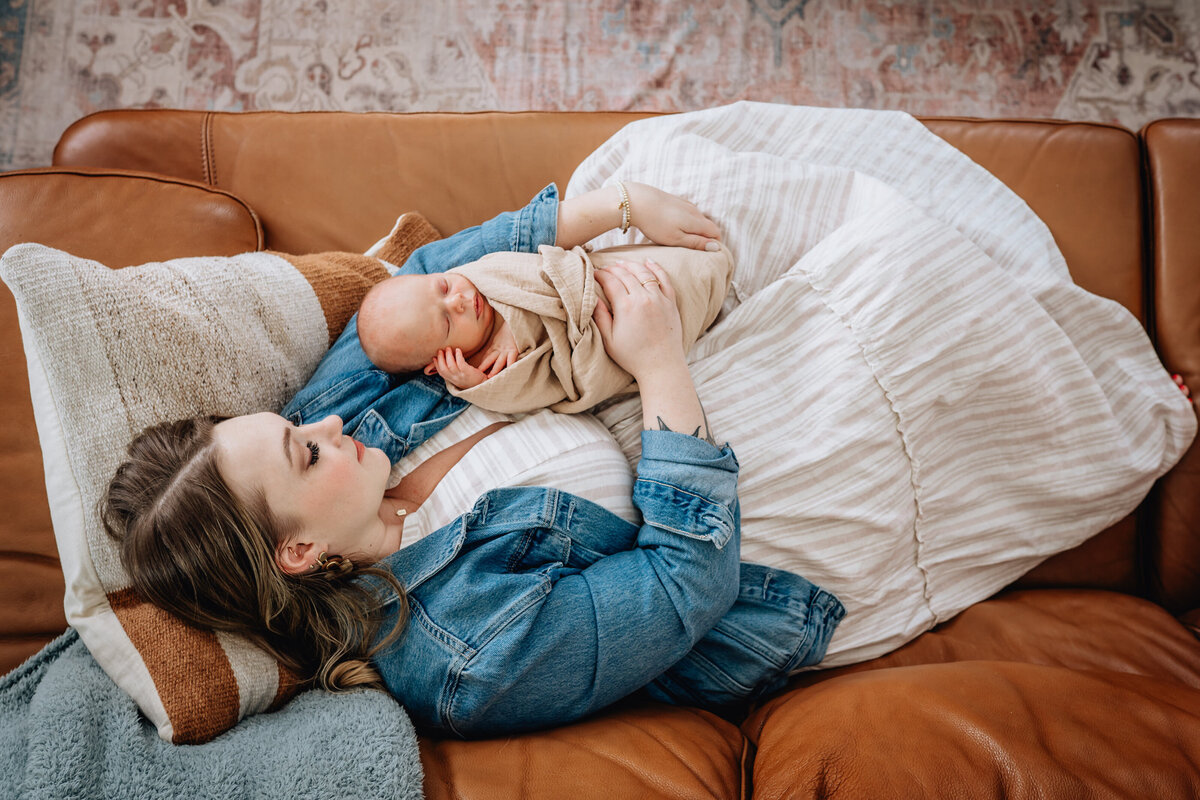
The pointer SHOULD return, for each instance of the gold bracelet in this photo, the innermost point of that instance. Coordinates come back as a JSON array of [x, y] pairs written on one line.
[[626, 214]]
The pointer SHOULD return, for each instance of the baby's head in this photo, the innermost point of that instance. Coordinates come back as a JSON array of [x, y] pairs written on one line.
[[404, 321]]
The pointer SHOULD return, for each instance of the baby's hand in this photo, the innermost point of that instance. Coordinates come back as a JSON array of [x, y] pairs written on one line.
[[453, 367], [501, 353]]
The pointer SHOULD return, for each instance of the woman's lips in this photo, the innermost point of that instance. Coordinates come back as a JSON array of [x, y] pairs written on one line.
[[360, 448]]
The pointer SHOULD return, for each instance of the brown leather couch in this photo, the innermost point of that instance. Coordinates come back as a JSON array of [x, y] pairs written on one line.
[[1082, 680]]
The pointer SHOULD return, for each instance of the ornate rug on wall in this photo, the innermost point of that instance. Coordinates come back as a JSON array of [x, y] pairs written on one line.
[[1102, 60]]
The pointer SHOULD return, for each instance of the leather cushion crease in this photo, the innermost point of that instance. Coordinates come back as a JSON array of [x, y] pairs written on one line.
[[1083, 679]]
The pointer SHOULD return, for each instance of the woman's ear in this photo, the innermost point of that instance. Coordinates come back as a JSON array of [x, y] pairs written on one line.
[[295, 557]]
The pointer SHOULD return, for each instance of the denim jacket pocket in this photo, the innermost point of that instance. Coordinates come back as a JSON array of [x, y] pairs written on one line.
[[540, 549]]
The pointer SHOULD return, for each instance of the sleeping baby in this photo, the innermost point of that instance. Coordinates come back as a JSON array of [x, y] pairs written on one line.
[[513, 332]]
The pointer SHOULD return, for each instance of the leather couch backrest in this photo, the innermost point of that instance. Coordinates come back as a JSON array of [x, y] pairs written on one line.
[[337, 181]]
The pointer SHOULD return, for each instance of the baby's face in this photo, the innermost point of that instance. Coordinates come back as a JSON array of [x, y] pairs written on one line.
[[430, 312]]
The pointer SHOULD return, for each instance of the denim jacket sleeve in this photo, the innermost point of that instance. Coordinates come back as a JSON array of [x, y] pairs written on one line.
[[398, 412], [780, 623], [605, 631]]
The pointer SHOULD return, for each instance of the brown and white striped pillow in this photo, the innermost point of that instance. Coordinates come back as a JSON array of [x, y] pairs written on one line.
[[113, 351]]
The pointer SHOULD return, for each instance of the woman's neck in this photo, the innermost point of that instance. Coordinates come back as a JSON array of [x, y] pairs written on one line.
[[415, 487]]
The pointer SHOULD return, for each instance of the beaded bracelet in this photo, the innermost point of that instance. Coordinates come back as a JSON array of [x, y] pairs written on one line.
[[626, 214]]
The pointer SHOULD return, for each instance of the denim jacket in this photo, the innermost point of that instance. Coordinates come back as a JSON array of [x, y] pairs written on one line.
[[538, 607]]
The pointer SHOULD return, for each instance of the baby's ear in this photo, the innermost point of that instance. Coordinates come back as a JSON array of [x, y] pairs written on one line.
[[431, 368]]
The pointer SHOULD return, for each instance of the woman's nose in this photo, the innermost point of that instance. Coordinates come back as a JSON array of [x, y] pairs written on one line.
[[330, 426]]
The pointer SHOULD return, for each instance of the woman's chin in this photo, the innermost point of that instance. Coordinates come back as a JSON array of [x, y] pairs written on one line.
[[376, 460]]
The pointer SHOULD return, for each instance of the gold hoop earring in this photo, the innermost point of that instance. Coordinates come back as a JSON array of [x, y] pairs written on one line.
[[332, 566]]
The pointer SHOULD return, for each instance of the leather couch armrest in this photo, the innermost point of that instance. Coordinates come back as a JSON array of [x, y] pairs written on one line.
[[118, 218], [1172, 166]]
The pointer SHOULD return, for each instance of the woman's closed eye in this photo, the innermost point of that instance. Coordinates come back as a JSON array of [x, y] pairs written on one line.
[[314, 450]]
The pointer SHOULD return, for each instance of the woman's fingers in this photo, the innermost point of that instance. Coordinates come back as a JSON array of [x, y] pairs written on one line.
[[621, 279], [602, 315], [664, 282], [612, 282], [703, 234], [630, 276], [695, 241]]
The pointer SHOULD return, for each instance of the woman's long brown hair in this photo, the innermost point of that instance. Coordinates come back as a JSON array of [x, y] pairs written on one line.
[[192, 549]]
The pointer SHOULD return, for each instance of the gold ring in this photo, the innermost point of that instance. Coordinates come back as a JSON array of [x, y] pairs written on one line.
[[652, 280]]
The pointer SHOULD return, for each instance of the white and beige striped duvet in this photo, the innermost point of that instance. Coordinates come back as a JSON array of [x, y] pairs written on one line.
[[923, 404]]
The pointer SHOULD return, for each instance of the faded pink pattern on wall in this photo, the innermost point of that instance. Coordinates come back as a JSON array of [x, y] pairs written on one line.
[[1120, 62]]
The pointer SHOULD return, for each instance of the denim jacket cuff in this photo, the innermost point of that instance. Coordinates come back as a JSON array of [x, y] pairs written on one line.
[[525, 230], [682, 448], [688, 477]]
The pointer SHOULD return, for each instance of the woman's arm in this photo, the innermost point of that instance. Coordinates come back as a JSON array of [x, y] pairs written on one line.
[[607, 629], [576, 640], [648, 344], [521, 231], [663, 217]]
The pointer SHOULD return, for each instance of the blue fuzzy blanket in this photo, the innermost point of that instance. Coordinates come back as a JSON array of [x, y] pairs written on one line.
[[66, 730]]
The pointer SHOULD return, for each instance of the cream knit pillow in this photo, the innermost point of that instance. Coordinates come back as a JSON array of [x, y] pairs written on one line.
[[112, 351]]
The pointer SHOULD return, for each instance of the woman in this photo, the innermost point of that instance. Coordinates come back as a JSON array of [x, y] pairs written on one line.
[[533, 606]]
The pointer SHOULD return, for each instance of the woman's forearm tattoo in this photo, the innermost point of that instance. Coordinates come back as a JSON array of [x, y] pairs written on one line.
[[706, 436]]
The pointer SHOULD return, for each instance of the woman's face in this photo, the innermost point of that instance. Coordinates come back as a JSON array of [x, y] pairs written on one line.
[[327, 483]]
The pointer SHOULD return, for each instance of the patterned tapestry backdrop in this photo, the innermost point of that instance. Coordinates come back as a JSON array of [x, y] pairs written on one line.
[[1102, 60]]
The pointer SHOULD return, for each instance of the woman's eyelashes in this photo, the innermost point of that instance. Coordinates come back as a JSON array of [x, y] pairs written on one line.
[[314, 450]]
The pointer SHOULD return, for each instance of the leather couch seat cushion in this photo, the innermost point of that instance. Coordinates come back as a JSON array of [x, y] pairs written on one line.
[[983, 729], [646, 751], [1029, 678], [1075, 629]]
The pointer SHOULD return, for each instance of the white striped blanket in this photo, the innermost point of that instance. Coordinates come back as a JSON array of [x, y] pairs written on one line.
[[923, 404]]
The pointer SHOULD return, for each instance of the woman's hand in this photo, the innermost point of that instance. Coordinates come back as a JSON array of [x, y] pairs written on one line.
[[642, 333], [663, 217], [642, 330], [670, 220]]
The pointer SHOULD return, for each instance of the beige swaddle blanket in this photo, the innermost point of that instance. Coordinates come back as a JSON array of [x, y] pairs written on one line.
[[547, 299]]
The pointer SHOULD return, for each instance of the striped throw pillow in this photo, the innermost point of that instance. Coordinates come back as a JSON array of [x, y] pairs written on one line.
[[111, 352]]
